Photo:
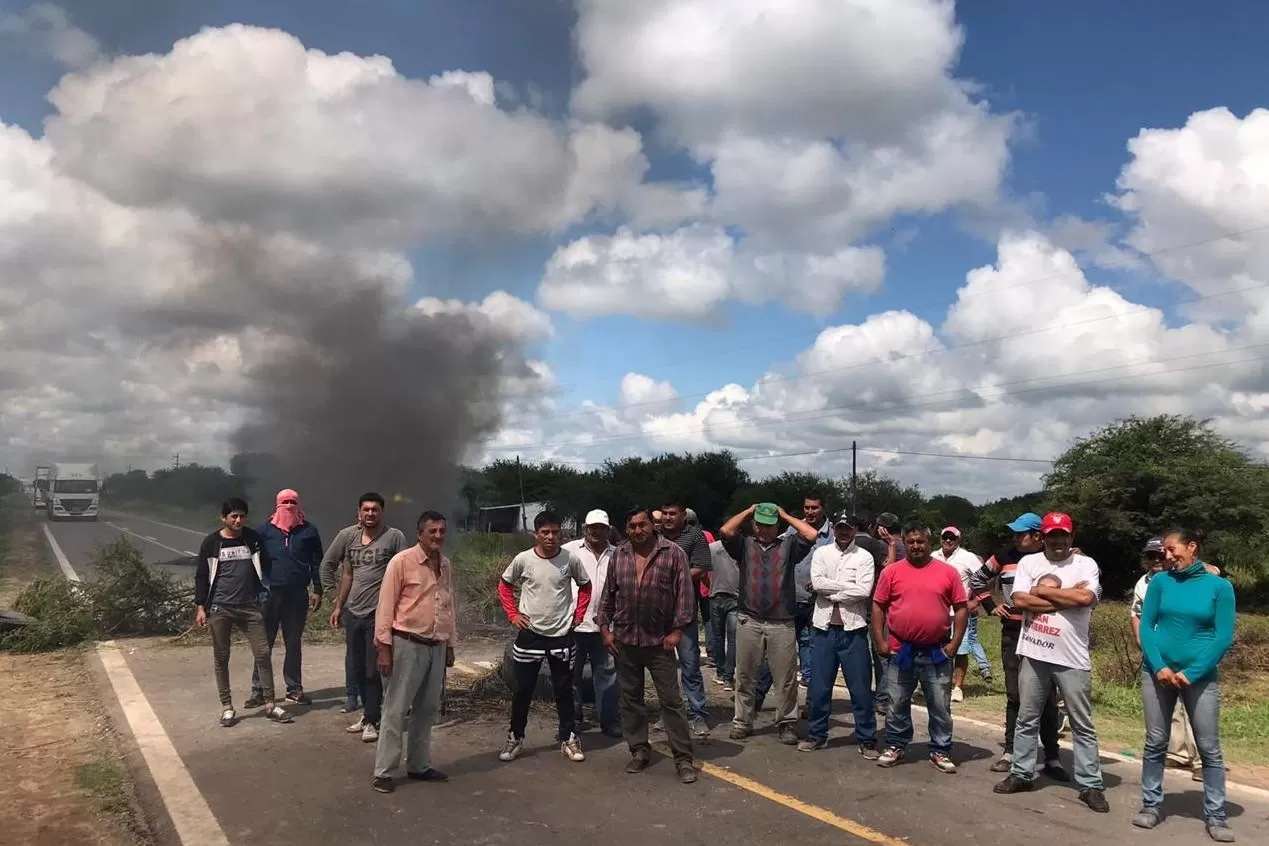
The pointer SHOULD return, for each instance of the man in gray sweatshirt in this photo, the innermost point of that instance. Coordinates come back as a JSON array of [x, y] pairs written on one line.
[[360, 554]]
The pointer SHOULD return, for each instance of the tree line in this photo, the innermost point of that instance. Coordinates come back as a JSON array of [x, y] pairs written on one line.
[[1132, 479]]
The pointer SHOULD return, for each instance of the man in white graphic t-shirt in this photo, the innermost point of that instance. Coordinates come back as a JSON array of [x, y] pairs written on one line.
[[1056, 590]]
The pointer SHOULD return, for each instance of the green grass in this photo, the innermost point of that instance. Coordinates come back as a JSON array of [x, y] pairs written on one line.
[[1117, 705], [107, 782]]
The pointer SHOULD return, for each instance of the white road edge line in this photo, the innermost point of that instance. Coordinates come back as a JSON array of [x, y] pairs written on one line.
[[193, 819], [145, 538], [155, 522], [62, 561]]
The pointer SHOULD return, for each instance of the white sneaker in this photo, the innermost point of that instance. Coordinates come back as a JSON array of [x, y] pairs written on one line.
[[369, 734], [356, 727], [512, 750], [572, 749], [958, 695]]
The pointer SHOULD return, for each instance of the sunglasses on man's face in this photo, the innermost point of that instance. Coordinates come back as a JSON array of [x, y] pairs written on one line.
[[1154, 556], [949, 537]]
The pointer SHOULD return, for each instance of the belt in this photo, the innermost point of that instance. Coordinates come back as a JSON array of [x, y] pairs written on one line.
[[413, 638]]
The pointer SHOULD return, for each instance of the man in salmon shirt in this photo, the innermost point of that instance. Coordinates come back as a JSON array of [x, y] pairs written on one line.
[[414, 644], [914, 600]]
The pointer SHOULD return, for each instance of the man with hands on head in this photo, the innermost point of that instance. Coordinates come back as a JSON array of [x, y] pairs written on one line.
[[766, 607], [546, 615], [648, 600]]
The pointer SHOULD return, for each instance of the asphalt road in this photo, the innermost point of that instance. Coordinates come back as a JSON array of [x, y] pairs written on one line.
[[309, 782], [160, 543]]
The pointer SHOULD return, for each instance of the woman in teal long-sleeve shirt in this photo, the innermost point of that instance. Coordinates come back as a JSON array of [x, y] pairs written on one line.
[[1187, 626]]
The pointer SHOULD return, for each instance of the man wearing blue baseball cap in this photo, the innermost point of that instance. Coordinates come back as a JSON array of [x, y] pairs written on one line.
[[1000, 569]]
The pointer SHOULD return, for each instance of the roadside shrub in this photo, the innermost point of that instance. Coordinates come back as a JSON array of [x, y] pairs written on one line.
[[63, 616], [129, 597], [1116, 656], [479, 560], [125, 597]]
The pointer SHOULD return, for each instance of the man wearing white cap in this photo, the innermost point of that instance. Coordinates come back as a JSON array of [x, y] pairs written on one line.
[[594, 549], [966, 564]]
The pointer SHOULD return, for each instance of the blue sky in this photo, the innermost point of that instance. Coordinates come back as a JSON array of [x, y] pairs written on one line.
[[1083, 79]]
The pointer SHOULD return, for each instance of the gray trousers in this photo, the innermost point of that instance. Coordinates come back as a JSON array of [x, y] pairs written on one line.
[[776, 641], [418, 674], [1036, 683], [249, 619]]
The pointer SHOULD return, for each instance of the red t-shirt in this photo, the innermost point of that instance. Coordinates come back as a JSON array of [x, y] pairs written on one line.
[[918, 601]]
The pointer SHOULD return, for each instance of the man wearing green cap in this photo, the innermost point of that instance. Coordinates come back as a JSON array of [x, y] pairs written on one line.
[[766, 606]]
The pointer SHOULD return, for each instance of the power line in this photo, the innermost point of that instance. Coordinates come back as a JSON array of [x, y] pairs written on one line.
[[906, 405]]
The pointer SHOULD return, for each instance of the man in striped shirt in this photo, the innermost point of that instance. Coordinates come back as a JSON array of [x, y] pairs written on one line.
[[1000, 568]]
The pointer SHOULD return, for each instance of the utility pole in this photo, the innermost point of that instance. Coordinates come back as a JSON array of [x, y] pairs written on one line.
[[854, 455], [176, 461], [524, 523]]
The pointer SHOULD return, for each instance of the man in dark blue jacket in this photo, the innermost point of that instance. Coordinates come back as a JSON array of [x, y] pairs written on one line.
[[294, 547]]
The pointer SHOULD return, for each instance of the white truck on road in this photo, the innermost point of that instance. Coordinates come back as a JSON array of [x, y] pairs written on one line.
[[39, 487], [73, 492]]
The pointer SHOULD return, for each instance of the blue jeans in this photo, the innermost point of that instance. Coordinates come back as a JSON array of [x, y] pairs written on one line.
[[1036, 681], [804, 629], [936, 685], [603, 671], [352, 687], [835, 648], [971, 646], [1203, 702], [722, 627], [690, 669]]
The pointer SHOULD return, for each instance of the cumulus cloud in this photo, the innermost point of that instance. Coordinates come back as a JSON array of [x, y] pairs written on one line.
[[46, 27], [1198, 197], [1029, 356], [245, 125], [818, 119], [688, 273]]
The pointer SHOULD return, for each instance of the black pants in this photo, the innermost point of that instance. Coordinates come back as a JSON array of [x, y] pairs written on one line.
[[359, 634], [1050, 721], [632, 662], [527, 654], [286, 609]]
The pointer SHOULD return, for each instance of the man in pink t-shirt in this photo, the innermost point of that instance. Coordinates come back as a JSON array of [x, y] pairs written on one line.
[[914, 600]]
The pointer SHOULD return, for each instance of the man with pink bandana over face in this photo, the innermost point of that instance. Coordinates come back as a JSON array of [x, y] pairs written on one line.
[[295, 547]]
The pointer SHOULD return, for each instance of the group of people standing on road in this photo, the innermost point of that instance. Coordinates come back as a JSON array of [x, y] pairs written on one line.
[[892, 611]]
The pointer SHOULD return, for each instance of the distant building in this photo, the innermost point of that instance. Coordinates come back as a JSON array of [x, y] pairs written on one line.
[[518, 517]]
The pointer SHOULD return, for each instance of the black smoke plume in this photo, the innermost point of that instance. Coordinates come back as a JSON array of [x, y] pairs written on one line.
[[353, 390]]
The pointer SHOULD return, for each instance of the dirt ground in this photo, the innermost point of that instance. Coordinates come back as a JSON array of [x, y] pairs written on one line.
[[64, 781]]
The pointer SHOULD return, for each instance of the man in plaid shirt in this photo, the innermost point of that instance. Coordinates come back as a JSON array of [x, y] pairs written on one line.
[[647, 602]]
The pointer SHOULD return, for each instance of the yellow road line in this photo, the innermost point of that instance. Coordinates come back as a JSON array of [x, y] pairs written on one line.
[[793, 803]]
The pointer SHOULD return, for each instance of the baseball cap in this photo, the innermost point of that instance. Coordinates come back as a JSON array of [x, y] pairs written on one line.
[[1028, 522], [598, 517], [1155, 544], [766, 514], [844, 518], [950, 530], [1056, 521], [888, 521]]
